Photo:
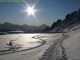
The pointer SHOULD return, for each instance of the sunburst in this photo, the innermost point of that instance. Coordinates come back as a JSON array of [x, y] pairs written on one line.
[[30, 10]]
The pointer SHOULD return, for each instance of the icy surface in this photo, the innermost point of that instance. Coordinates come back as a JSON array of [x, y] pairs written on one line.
[[18, 40], [42, 41]]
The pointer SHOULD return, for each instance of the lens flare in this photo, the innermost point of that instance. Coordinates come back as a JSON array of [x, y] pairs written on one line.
[[31, 10]]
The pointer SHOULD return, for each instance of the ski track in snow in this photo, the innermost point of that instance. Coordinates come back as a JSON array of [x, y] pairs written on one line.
[[4, 52], [56, 51], [15, 49]]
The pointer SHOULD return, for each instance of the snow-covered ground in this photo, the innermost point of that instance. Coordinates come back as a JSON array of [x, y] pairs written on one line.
[[65, 48], [72, 45], [46, 46], [33, 46], [22, 39]]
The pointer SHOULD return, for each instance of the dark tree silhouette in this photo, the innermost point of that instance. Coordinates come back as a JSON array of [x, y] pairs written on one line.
[[59, 20], [53, 25], [47, 28], [68, 16], [72, 22], [79, 9], [75, 12], [72, 14]]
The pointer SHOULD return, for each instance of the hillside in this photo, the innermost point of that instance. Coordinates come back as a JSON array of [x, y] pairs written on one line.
[[70, 23]]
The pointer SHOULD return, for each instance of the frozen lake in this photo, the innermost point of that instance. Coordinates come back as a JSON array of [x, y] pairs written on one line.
[[21, 40], [26, 46], [14, 42]]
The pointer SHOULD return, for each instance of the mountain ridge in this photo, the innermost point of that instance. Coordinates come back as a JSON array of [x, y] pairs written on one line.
[[7, 25]]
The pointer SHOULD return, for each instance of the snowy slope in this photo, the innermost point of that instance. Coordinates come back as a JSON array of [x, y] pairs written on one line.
[[72, 45], [65, 48]]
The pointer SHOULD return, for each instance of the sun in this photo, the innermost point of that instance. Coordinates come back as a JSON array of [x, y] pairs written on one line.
[[30, 10]]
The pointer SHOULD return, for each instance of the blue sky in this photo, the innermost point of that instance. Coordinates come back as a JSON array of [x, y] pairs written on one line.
[[48, 11]]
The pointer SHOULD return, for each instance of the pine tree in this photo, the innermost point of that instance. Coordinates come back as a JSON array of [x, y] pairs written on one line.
[[68, 16], [59, 20], [53, 25], [79, 9]]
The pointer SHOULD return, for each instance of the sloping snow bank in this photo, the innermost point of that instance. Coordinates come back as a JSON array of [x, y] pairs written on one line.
[[72, 45]]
